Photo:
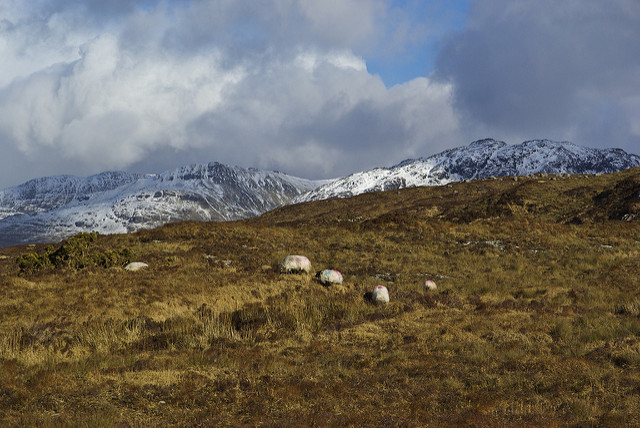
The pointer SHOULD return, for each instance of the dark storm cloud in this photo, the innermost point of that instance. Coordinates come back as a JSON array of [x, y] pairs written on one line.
[[553, 69]]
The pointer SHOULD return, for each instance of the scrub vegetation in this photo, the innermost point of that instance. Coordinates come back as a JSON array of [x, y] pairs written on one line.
[[535, 321]]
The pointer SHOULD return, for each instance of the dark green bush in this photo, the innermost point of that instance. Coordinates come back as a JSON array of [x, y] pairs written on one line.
[[33, 262], [77, 253]]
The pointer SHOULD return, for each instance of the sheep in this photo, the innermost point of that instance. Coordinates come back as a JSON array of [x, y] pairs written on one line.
[[295, 264], [329, 277], [134, 266], [380, 295], [430, 285]]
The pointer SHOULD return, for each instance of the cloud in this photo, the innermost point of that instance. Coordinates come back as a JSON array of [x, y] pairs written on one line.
[[109, 106], [330, 120], [280, 84], [148, 85], [549, 69]]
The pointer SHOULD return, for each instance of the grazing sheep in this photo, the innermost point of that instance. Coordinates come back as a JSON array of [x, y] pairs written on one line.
[[134, 266], [329, 277], [380, 294], [295, 264], [430, 285]]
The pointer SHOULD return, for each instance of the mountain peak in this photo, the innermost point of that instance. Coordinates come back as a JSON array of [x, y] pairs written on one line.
[[487, 143]]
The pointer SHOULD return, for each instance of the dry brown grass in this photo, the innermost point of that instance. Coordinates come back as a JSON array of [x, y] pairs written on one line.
[[535, 320]]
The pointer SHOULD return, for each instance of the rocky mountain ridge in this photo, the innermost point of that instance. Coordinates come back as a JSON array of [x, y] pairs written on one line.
[[480, 159]]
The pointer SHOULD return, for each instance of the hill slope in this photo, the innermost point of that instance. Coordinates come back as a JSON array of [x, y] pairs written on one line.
[[535, 320], [553, 198]]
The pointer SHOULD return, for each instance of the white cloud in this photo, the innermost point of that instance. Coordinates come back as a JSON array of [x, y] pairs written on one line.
[[279, 85], [109, 107], [309, 61]]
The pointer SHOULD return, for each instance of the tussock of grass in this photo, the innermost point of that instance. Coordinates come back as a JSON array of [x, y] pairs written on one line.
[[535, 320], [629, 308]]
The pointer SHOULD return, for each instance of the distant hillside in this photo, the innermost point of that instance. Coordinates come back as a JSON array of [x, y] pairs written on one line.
[[554, 198]]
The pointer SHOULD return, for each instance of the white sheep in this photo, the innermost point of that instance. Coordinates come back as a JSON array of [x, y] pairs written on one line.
[[329, 277], [380, 294], [295, 264], [430, 285], [134, 266]]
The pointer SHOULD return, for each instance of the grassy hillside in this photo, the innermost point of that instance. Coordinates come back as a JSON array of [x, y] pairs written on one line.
[[536, 320]]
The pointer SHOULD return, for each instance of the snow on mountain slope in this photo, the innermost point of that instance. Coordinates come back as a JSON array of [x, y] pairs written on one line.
[[53, 208], [43, 194], [480, 159]]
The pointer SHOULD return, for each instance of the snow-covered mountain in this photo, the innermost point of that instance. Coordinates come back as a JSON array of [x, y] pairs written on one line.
[[480, 159], [53, 208]]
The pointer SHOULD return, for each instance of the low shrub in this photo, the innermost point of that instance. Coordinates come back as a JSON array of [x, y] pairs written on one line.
[[77, 253]]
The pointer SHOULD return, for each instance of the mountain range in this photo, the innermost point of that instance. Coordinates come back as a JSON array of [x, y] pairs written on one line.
[[53, 208]]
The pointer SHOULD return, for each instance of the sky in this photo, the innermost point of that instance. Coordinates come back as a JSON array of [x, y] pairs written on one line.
[[314, 88]]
